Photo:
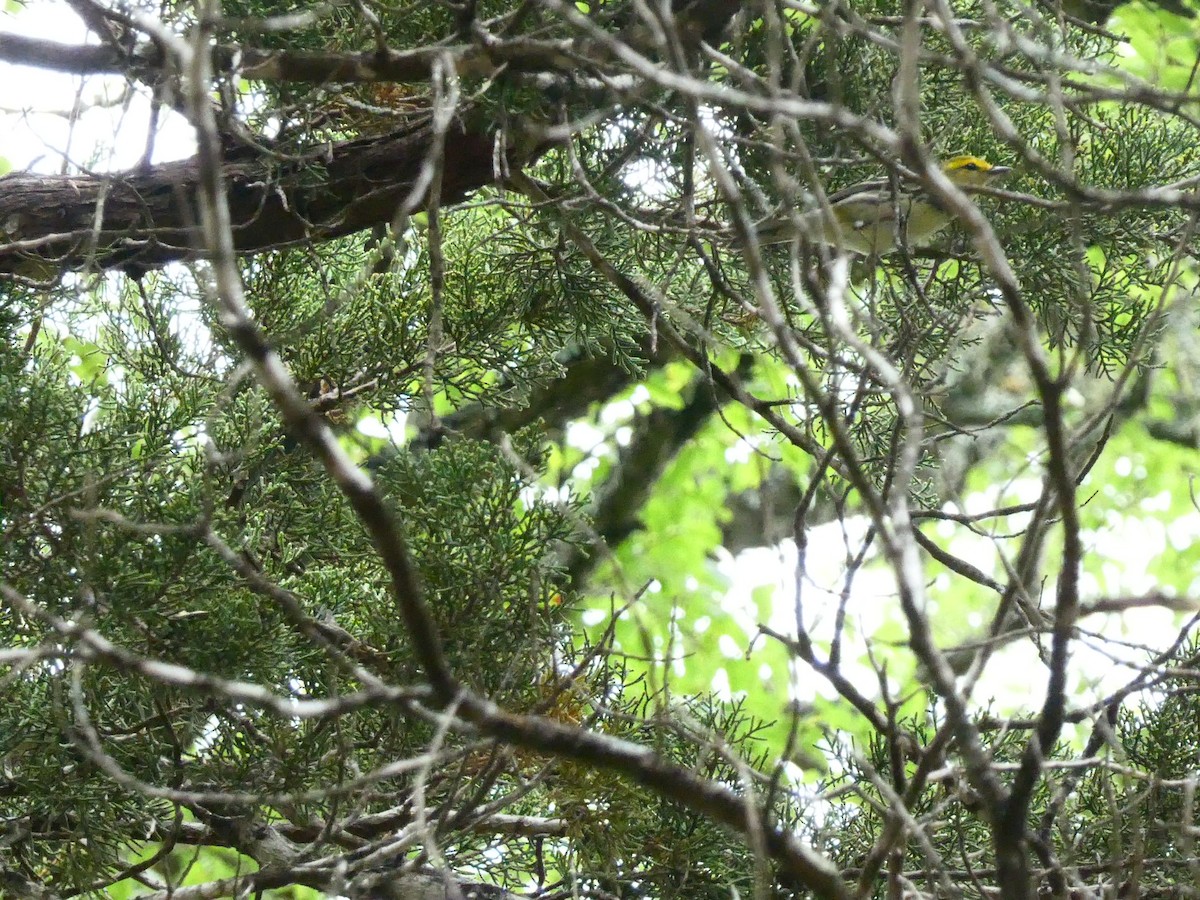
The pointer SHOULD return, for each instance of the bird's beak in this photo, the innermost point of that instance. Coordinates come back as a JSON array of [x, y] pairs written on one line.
[[999, 171]]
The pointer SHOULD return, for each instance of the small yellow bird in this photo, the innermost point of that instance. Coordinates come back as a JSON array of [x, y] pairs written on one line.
[[862, 218]]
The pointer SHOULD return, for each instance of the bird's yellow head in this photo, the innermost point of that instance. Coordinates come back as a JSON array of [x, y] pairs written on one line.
[[972, 171]]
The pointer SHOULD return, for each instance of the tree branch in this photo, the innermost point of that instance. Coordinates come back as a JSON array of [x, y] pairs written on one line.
[[146, 218]]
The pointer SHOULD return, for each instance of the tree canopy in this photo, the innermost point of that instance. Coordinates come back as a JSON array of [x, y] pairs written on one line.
[[431, 483]]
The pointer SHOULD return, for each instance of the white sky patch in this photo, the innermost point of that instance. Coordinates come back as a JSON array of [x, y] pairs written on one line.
[[586, 469], [593, 617], [720, 685], [639, 395], [584, 436], [1119, 556], [1160, 502], [208, 736], [91, 417], [371, 427], [48, 115], [532, 494], [392, 430], [617, 412], [1183, 531], [729, 647], [650, 177], [743, 450]]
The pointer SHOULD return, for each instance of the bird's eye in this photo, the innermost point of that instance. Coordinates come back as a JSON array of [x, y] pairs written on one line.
[[971, 167]]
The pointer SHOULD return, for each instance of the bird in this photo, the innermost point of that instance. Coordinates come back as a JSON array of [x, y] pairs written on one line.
[[862, 218]]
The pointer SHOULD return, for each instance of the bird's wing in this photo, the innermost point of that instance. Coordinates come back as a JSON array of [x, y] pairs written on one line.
[[869, 208], [874, 186]]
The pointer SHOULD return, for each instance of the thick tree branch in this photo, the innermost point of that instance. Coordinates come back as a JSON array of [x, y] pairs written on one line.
[[146, 218]]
